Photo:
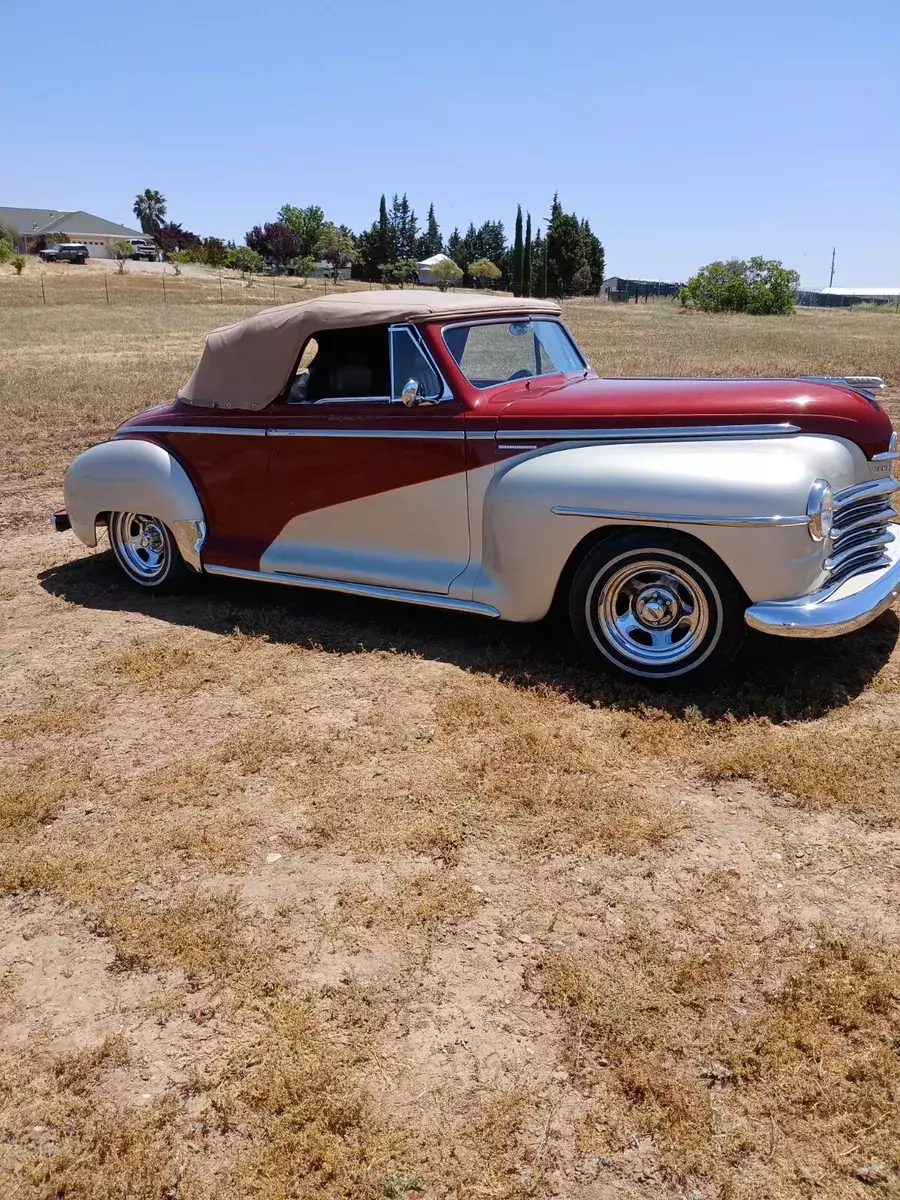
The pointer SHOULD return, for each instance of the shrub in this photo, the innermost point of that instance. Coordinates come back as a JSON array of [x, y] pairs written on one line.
[[760, 286], [18, 262], [5, 250]]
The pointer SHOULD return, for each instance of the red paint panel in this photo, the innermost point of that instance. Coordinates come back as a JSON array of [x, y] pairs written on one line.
[[250, 487]]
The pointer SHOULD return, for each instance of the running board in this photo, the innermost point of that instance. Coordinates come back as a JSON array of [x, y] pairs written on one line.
[[428, 599]]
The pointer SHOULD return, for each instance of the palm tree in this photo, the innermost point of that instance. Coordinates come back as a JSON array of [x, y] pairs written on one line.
[[150, 208]]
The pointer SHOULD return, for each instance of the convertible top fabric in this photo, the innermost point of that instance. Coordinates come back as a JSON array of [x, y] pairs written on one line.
[[246, 366]]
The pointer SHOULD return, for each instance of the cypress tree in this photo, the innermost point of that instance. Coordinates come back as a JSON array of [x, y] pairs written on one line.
[[431, 241], [517, 259], [526, 259], [386, 251]]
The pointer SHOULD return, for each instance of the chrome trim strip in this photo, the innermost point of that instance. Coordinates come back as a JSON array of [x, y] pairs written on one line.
[[817, 616], [654, 434], [439, 434], [881, 516], [443, 435], [842, 557], [419, 342], [251, 431], [613, 514], [427, 599], [865, 491]]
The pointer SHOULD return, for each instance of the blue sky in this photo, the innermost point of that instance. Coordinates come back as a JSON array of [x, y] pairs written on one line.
[[684, 131]]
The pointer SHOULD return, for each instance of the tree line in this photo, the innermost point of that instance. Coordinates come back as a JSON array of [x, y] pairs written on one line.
[[565, 258]]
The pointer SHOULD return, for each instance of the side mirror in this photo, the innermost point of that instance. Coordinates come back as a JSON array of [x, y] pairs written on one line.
[[412, 393]]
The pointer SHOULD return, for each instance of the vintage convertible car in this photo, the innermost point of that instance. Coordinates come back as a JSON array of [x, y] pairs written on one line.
[[458, 451]]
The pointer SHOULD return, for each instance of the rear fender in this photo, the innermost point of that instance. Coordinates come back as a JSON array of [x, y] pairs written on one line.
[[131, 475]]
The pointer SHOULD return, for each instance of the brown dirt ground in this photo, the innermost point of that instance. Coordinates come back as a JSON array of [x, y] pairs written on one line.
[[529, 932]]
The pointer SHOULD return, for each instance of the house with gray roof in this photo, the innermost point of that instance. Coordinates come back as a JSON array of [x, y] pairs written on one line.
[[54, 224]]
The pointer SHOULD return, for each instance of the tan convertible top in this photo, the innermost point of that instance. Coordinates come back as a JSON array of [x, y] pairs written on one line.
[[247, 365]]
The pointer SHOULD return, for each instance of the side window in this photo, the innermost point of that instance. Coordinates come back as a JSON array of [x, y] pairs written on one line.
[[408, 362]]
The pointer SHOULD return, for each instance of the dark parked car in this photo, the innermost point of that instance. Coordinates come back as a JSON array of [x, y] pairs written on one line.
[[73, 252]]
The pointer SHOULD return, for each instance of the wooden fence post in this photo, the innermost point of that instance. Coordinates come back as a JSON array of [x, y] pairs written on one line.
[[165, 296], [106, 285], [43, 293], [221, 292]]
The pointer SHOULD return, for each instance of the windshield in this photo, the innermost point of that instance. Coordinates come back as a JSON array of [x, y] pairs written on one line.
[[495, 352]]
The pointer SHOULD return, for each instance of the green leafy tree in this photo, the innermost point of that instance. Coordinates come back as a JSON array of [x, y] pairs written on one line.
[[446, 273], [518, 256], [431, 242], [527, 259], [214, 251], [19, 261], [337, 247], [247, 261], [5, 250], [309, 225], [150, 208], [763, 287], [121, 251], [483, 271], [404, 270]]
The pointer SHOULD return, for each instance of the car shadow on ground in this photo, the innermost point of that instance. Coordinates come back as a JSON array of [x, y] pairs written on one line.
[[781, 679]]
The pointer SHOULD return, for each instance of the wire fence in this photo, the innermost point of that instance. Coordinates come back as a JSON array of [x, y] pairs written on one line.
[[52, 290]]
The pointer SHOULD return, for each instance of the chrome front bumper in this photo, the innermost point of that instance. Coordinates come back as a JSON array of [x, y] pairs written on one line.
[[844, 609]]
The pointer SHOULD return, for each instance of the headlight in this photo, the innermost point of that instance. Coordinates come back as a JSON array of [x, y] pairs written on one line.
[[820, 510]]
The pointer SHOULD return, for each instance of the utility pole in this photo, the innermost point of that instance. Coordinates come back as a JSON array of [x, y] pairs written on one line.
[[831, 280]]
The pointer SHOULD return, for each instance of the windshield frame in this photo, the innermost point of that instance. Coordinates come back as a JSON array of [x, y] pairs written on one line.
[[514, 319]]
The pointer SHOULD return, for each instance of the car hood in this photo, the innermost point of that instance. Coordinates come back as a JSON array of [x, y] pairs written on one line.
[[813, 406]]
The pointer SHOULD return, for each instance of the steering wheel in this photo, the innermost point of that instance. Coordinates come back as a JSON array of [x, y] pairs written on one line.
[[525, 373]]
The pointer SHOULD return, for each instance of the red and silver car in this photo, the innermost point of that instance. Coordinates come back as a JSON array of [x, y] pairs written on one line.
[[458, 451]]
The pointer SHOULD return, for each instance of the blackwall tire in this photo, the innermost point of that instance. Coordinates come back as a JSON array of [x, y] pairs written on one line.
[[146, 554], [657, 607]]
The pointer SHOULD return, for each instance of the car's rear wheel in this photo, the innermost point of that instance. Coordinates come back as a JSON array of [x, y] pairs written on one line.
[[146, 553], [658, 607]]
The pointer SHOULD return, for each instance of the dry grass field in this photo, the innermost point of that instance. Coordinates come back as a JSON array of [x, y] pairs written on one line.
[[308, 896]]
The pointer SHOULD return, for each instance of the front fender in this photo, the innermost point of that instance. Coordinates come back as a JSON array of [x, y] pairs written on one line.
[[132, 475], [527, 544]]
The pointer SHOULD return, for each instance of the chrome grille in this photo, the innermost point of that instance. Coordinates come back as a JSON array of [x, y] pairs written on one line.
[[860, 531]]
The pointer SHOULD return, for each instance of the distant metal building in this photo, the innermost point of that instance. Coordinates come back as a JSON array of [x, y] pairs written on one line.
[[618, 288], [847, 297]]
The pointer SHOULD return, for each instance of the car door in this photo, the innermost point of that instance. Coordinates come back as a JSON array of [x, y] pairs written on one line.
[[373, 489]]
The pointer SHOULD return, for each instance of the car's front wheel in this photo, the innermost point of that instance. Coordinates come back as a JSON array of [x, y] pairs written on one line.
[[657, 606], [146, 553]]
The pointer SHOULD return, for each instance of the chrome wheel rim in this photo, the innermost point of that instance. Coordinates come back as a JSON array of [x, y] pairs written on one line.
[[141, 545], [653, 613]]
